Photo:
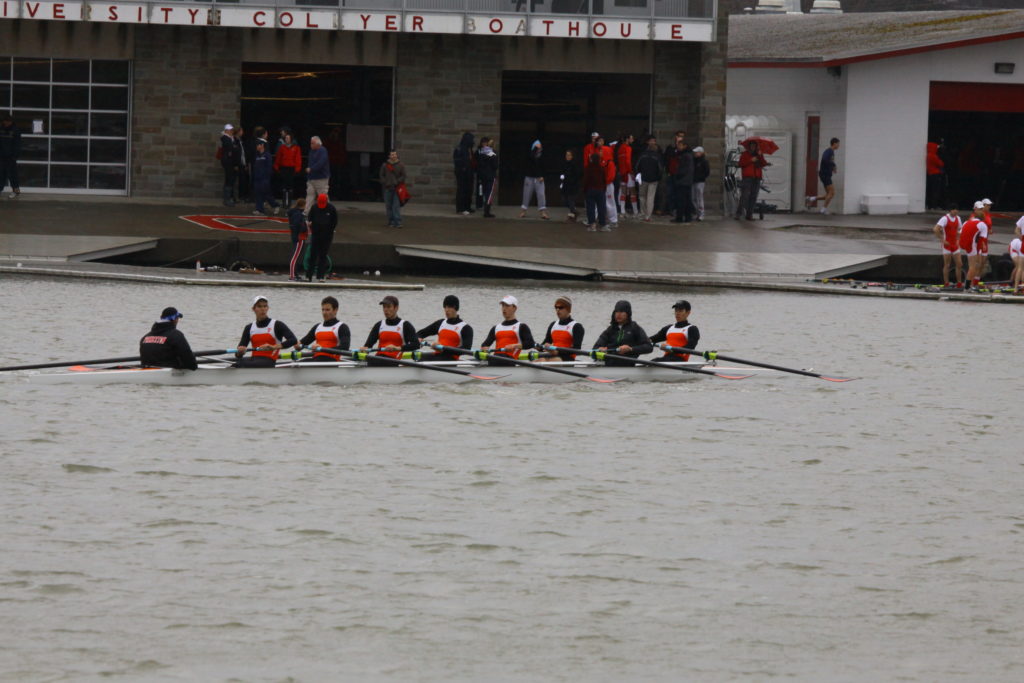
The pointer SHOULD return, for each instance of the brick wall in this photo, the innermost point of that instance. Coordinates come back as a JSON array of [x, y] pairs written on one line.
[[445, 85], [187, 86]]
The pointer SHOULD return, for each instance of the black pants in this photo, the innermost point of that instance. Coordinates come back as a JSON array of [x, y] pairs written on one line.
[[230, 176], [318, 253], [9, 173], [487, 187], [464, 190], [683, 201], [749, 189]]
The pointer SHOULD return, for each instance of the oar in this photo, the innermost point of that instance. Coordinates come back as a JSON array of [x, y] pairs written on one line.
[[483, 355], [102, 361], [361, 355], [715, 355], [601, 355]]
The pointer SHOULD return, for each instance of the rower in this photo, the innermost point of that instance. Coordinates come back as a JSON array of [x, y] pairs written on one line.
[[682, 334], [450, 330], [623, 336], [948, 231], [510, 336], [266, 336], [392, 334], [1017, 254], [565, 332], [969, 244], [329, 334], [165, 346]]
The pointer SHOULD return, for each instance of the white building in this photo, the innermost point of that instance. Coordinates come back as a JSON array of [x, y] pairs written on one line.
[[886, 84]]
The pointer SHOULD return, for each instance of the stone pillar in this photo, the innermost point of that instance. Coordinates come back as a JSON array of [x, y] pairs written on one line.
[[713, 73], [444, 85], [187, 85]]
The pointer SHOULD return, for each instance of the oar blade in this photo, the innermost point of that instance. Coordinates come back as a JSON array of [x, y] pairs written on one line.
[[725, 376], [837, 379], [601, 380], [487, 377]]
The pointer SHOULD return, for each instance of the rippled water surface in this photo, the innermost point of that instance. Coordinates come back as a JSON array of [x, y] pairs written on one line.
[[774, 527]]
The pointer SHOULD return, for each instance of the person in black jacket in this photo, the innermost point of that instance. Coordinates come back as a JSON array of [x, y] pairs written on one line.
[[323, 219], [462, 158], [650, 168], [487, 173], [682, 183], [701, 171], [10, 150], [533, 181], [623, 336], [230, 160], [570, 184], [165, 346]]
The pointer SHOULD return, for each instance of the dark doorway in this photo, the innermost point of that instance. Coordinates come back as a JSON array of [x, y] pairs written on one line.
[[561, 110], [983, 150], [341, 104]]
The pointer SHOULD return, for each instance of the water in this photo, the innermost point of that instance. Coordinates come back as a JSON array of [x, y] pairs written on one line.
[[774, 527]]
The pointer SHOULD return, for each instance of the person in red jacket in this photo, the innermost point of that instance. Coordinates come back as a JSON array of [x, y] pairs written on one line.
[[752, 163], [627, 181], [935, 168], [287, 164]]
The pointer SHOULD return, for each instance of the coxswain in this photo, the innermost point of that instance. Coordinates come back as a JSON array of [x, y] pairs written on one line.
[[329, 334], [451, 330], [948, 232], [969, 245], [165, 346], [392, 335], [564, 332], [509, 336], [682, 334], [265, 335], [623, 336]]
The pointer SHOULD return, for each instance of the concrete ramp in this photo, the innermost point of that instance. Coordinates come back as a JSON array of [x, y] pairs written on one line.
[[636, 265], [65, 248]]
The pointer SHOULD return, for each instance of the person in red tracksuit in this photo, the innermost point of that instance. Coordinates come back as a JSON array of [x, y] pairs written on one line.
[[681, 334]]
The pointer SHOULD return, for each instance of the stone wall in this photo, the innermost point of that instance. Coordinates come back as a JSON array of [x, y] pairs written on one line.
[[187, 85], [445, 85]]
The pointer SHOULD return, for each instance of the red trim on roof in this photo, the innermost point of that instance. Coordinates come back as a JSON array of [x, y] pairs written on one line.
[[878, 55]]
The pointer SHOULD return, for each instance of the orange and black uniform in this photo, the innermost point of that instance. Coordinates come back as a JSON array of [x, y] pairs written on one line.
[[683, 335], [568, 335], [259, 333], [331, 334], [392, 332], [166, 347], [454, 332], [508, 333]]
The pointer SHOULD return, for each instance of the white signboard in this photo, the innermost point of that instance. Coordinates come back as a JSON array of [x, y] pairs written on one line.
[[266, 17]]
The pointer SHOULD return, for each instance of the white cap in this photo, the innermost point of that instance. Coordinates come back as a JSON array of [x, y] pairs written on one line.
[[979, 205], [258, 298], [595, 135], [510, 300], [986, 201], [1020, 223], [698, 149], [228, 126]]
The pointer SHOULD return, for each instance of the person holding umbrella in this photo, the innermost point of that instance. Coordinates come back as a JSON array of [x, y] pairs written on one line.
[[752, 163]]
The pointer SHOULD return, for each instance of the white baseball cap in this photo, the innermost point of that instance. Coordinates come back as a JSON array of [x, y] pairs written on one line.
[[979, 205], [986, 201], [258, 298], [510, 300], [228, 126]]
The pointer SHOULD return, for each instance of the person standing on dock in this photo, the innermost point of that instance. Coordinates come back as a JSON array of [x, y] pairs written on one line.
[[230, 155], [969, 244], [266, 336], [451, 330], [392, 174], [299, 230], [165, 346], [10, 150], [392, 335], [564, 332], [323, 219], [623, 336], [681, 334], [329, 334], [487, 173], [318, 173], [948, 232], [509, 336]]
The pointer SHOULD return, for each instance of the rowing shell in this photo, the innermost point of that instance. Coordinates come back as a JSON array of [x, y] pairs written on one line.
[[358, 373]]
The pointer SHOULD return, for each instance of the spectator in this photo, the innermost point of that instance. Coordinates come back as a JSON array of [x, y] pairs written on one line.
[[318, 172], [10, 150], [247, 152], [627, 181], [392, 174], [935, 169], [607, 162], [752, 163], [287, 163], [487, 173], [299, 232], [230, 158], [569, 184], [671, 163], [323, 219], [594, 185], [682, 183], [533, 181], [262, 172], [462, 158], [649, 170], [701, 171]]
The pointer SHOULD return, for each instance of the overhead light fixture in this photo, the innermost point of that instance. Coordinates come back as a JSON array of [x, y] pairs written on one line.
[[1004, 67]]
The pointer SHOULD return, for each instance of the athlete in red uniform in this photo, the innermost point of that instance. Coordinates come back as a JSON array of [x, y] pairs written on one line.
[[565, 332], [330, 334], [682, 334], [451, 330], [392, 334], [969, 244], [948, 232], [266, 336], [509, 336]]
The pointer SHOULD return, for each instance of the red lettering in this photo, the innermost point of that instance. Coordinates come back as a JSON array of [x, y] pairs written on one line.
[[310, 24], [625, 29], [499, 23], [599, 29], [140, 15], [58, 10], [112, 13], [391, 22], [259, 18], [574, 28], [417, 23], [677, 31], [31, 10], [167, 11], [192, 13], [366, 19], [547, 26], [285, 19]]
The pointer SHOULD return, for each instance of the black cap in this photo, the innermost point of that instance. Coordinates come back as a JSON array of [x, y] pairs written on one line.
[[452, 301], [681, 304], [623, 306], [170, 313], [389, 299]]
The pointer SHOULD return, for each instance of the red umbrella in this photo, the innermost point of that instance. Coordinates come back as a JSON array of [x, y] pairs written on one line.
[[766, 145]]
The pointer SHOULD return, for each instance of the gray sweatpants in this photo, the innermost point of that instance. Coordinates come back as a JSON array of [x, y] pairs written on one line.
[[533, 186]]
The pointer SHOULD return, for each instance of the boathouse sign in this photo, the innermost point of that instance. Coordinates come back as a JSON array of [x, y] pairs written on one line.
[[398, 21]]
